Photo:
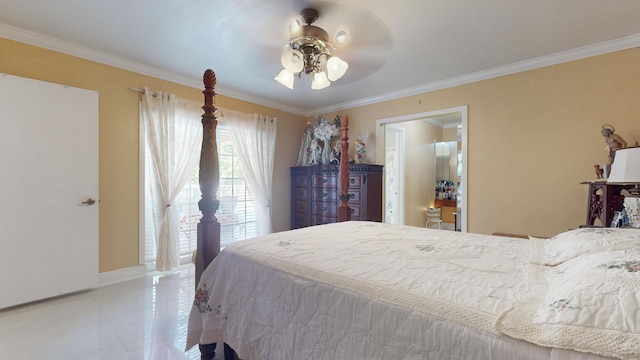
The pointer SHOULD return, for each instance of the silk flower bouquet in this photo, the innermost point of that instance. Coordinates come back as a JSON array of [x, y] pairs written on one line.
[[324, 130]]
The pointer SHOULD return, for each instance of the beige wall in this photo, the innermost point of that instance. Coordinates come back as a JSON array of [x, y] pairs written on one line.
[[450, 134], [532, 138], [118, 139]]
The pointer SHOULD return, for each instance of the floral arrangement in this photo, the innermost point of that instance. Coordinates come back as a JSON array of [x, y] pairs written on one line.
[[324, 130]]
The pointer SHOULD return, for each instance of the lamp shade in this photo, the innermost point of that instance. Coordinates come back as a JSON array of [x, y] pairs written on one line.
[[285, 77], [336, 67], [320, 81], [626, 166], [292, 60]]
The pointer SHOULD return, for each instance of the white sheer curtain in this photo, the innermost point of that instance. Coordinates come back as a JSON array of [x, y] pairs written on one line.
[[254, 143], [173, 136]]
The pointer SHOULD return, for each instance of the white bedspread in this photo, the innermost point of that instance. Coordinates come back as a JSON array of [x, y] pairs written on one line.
[[363, 290]]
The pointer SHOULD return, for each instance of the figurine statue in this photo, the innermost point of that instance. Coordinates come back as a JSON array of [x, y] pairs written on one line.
[[361, 152], [599, 171], [335, 153], [314, 152], [614, 141], [305, 142]]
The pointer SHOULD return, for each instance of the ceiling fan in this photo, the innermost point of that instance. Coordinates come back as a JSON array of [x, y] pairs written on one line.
[[311, 51]]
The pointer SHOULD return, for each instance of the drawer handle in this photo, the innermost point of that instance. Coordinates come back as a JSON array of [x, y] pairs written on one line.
[[324, 180], [324, 208], [324, 194], [353, 211], [352, 196], [353, 181]]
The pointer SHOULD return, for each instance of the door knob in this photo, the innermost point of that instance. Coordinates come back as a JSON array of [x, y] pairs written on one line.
[[89, 201]]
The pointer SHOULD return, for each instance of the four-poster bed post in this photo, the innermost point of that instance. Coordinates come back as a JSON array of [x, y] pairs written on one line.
[[344, 211], [208, 246], [208, 227]]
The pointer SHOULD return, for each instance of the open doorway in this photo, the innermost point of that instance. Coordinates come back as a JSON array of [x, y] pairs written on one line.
[[423, 170]]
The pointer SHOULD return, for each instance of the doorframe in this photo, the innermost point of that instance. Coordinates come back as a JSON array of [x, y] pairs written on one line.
[[463, 110], [401, 170]]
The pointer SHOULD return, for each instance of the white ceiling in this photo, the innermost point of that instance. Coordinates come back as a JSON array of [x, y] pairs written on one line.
[[394, 48]]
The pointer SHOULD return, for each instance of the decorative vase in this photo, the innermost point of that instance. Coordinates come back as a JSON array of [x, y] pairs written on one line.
[[326, 151]]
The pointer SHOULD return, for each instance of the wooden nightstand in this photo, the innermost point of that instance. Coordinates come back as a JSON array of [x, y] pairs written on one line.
[[603, 201]]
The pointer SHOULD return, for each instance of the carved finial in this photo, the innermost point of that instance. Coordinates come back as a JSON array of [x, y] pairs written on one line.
[[209, 79], [209, 92]]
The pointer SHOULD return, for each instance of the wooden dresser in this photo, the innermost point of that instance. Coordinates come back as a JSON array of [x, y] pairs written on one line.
[[315, 189]]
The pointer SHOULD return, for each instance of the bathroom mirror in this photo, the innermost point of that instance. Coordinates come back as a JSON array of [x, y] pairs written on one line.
[[446, 160]]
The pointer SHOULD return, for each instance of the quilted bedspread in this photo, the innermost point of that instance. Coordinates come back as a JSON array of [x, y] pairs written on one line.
[[363, 290]]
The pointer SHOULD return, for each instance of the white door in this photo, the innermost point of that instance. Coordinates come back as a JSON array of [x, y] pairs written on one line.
[[49, 159]]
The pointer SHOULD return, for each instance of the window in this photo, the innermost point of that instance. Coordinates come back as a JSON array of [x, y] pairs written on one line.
[[237, 211]]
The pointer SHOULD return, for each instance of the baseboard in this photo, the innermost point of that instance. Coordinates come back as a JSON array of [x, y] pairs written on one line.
[[120, 275]]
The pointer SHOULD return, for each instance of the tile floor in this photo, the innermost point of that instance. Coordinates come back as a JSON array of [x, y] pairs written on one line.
[[144, 318]]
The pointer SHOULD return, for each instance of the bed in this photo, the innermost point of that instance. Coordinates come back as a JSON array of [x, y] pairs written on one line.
[[365, 290]]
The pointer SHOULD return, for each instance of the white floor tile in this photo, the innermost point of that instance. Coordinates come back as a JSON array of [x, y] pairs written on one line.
[[139, 319]]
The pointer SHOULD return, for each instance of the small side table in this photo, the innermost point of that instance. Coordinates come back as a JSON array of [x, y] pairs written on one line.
[[603, 201]]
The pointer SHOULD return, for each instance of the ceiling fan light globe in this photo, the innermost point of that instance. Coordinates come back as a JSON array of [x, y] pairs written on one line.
[[341, 37], [294, 26], [285, 77], [292, 60], [320, 81], [336, 68]]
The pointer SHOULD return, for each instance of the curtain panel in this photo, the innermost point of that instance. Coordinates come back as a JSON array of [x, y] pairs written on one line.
[[173, 137], [254, 143]]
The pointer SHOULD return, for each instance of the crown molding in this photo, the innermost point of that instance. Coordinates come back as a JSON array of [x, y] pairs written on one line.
[[50, 43], [35, 39], [68, 48], [434, 122], [623, 43]]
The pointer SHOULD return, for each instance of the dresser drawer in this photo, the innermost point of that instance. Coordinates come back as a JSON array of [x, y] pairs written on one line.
[[301, 207], [320, 220], [355, 212], [324, 209], [354, 196], [301, 180], [324, 195], [301, 220], [302, 194], [323, 180]]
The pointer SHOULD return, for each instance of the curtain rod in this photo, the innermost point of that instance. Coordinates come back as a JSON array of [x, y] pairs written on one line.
[[141, 91], [219, 111]]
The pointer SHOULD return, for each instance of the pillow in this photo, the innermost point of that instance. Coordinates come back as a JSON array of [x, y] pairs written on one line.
[[590, 303], [569, 244]]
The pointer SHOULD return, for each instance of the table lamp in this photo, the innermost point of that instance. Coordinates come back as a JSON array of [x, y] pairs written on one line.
[[625, 170]]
